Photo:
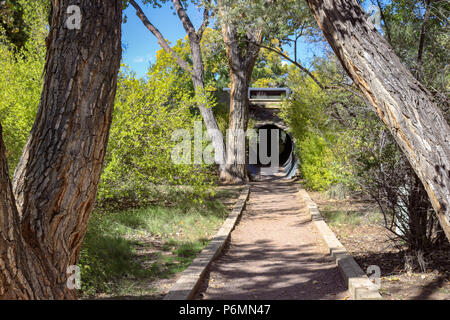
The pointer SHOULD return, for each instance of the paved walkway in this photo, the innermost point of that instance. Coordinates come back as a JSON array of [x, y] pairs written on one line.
[[275, 252]]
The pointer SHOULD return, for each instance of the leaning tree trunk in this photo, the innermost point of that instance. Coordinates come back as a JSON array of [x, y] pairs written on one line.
[[207, 114], [196, 71], [55, 184], [198, 80], [402, 103], [20, 269]]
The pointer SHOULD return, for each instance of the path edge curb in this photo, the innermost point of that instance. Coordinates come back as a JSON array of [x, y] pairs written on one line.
[[187, 285], [359, 285]]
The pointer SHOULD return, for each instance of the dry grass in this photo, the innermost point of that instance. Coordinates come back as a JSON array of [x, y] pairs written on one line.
[[359, 226]]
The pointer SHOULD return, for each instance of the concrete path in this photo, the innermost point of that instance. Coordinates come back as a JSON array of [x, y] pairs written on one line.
[[274, 253]]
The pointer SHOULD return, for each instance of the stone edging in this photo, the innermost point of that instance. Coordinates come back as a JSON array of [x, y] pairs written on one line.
[[359, 285], [187, 284]]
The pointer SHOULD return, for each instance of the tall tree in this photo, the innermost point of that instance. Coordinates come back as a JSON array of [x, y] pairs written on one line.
[[196, 70], [242, 50], [246, 25], [44, 221], [400, 100]]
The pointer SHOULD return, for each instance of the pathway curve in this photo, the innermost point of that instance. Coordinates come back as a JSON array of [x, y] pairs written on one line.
[[275, 252]]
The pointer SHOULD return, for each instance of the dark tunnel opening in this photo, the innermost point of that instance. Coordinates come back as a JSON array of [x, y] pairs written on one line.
[[287, 162]]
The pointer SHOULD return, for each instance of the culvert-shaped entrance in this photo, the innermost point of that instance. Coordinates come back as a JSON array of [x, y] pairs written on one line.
[[273, 150]]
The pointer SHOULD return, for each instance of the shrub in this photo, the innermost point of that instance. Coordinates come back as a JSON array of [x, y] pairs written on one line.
[[21, 81], [146, 115]]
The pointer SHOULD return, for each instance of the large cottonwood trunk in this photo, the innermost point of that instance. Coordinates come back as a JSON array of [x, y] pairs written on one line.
[[20, 269], [236, 166], [402, 103], [55, 183], [241, 55]]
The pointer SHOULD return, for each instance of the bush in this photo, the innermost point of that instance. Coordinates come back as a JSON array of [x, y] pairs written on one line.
[[110, 249], [21, 82], [146, 115], [318, 137], [385, 174]]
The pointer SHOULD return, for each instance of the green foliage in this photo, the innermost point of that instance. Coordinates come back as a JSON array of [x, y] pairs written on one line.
[[405, 20], [21, 82], [140, 146], [215, 59], [317, 162], [275, 19], [319, 137], [269, 71], [174, 235], [20, 89], [12, 24]]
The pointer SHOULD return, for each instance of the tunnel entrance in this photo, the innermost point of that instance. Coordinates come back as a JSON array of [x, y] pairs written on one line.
[[286, 164]]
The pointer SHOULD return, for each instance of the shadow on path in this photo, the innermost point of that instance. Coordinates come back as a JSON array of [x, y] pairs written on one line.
[[274, 253]]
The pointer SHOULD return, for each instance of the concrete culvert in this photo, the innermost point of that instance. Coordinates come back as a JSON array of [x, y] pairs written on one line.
[[286, 165]]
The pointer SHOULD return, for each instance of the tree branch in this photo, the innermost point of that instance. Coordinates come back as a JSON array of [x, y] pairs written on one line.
[[422, 41], [187, 23], [388, 30], [309, 73], [229, 38], [161, 40], [298, 65], [205, 23], [253, 47]]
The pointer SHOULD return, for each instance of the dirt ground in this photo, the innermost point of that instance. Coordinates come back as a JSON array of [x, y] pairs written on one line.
[[368, 242], [274, 253]]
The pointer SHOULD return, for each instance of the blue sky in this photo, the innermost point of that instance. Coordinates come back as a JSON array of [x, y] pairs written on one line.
[[141, 46]]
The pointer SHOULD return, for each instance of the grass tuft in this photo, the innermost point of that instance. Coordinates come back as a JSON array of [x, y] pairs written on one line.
[[149, 243]]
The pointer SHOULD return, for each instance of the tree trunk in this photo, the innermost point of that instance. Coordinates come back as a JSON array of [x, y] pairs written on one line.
[[196, 71], [215, 135], [241, 55], [401, 102], [207, 113], [20, 269], [422, 40], [55, 183], [198, 80], [236, 166]]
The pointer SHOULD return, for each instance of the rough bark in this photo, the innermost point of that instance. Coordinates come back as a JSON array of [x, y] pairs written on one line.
[[402, 103], [196, 71], [241, 55], [55, 183], [236, 166], [19, 268]]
